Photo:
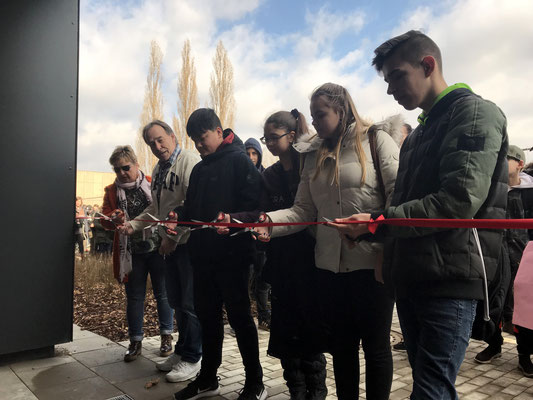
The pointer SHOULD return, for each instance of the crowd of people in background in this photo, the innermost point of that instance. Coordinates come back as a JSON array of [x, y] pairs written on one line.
[[89, 234], [327, 288]]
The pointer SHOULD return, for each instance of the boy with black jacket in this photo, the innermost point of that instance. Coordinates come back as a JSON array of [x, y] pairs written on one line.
[[225, 180]]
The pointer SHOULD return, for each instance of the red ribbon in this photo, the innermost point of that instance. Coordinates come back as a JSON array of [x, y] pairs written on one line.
[[373, 224]]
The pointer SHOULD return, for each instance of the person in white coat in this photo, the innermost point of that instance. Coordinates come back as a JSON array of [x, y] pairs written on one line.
[[339, 177]]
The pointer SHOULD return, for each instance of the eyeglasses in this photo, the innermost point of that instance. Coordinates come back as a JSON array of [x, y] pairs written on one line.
[[272, 139], [124, 168]]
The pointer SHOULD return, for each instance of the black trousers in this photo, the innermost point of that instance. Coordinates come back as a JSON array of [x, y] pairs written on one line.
[[524, 340], [226, 283], [358, 309]]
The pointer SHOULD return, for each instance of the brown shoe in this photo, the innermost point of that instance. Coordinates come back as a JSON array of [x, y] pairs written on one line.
[[166, 346], [135, 349]]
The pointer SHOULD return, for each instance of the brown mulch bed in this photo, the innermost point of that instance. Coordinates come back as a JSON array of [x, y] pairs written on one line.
[[104, 313], [100, 302]]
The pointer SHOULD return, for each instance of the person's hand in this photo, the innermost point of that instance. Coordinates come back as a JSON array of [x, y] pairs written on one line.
[[167, 246], [125, 229], [170, 223], [223, 217], [117, 216], [350, 232], [263, 232]]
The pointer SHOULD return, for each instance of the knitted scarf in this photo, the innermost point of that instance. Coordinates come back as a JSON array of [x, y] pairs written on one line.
[[124, 240]]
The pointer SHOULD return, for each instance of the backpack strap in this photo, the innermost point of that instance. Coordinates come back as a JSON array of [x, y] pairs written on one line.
[[372, 140]]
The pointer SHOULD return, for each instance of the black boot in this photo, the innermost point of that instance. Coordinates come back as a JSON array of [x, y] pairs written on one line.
[[314, 368], [135, 349], [295, 378], [525, 364]]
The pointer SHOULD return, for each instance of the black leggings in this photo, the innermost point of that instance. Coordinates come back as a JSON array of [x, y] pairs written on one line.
[[358, 309]]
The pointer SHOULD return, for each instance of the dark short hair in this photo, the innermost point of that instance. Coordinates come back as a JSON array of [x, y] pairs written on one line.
[[202, 120], [157, 122], [412, 46]]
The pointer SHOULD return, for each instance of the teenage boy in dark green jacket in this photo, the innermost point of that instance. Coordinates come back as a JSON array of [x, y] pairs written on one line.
[[452, 166], [225, 180]]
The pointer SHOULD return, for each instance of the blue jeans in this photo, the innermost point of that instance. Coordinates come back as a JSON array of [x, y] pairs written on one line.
[[142, 264], [180, 290], [436, 333]]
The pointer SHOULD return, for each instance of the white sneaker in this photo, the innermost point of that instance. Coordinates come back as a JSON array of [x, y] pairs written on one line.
[[168, 364], [183, 370]]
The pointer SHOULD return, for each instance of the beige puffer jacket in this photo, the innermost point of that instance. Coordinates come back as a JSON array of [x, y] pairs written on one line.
[[321, 197]]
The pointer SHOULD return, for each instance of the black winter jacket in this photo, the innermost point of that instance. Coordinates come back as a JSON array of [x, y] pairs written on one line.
[[453, 166], [296, 327], [223, 181]]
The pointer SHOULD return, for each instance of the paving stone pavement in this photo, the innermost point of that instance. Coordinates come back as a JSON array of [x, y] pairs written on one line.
[[91, 367]]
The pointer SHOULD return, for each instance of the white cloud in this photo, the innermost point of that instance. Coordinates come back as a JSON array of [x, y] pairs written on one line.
[[485, 43]]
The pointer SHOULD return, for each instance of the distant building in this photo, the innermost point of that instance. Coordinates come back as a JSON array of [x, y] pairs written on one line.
[[90, 185]]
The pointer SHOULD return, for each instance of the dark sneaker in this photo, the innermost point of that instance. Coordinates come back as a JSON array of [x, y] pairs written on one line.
[[197, 389], [166, 346], [264, 325], [525, 364], [489, 354], [134, 349], [400, 346], [253, 392], [508, 327]]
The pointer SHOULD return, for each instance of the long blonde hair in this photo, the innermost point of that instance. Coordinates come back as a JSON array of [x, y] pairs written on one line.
[[340, 100]]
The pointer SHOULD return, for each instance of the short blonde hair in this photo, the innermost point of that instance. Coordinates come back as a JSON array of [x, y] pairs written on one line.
[[125, 152]]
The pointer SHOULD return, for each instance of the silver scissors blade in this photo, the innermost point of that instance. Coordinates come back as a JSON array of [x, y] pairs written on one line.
[[198, 226]]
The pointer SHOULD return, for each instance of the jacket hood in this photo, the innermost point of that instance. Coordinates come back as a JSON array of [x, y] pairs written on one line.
[[526, 181], [393, 126], [307, 143], [254, 144], [228, 146]]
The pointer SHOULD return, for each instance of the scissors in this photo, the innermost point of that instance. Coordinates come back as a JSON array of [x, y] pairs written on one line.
[[262, 218], [106, 218], [157, 222], [219, 217]]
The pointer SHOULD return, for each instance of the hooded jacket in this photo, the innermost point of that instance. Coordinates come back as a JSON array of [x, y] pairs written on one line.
[[227, 181], [254, 144], [321, 198], [452, 166]]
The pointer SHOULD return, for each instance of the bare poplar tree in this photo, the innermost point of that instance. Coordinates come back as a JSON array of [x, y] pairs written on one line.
[[221, 89], [152, 106], [187, 96]]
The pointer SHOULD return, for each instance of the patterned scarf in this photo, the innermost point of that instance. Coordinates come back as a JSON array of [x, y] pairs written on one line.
[[124, 240]]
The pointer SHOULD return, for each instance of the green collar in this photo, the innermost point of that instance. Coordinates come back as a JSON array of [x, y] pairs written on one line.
[[422, 118]]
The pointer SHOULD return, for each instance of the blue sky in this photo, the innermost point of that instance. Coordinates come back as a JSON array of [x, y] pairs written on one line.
[[282, 50]]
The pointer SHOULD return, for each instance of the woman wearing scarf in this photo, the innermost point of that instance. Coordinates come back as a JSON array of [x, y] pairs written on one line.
[[135, 256]]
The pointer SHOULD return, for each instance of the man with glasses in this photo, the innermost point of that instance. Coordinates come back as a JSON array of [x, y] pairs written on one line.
[[170, 180]]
